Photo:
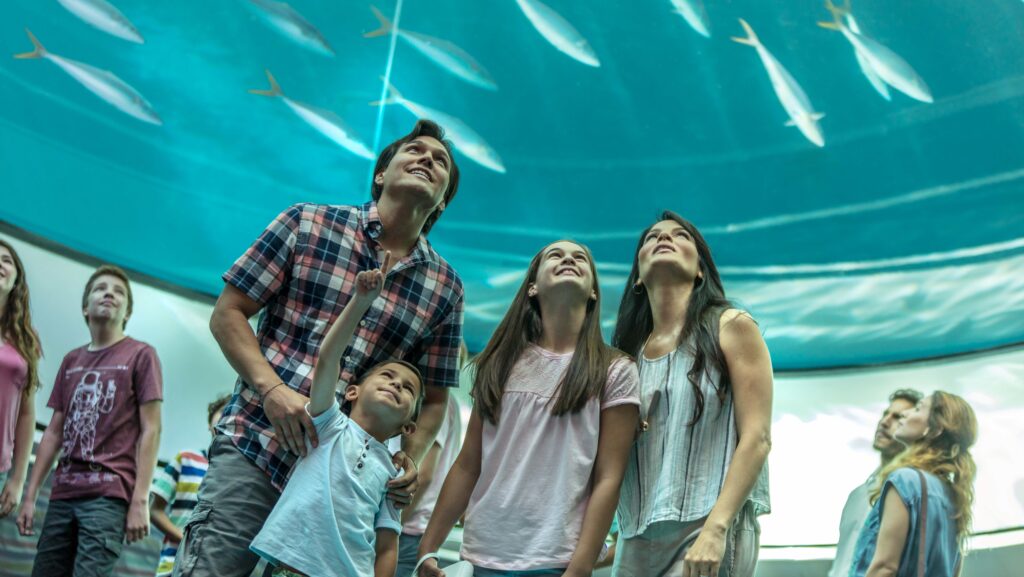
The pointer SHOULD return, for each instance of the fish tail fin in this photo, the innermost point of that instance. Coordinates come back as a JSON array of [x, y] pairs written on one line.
[[751, 38], [275, 88], [393, 95], [837, 13], [385, 24], [37, 53]]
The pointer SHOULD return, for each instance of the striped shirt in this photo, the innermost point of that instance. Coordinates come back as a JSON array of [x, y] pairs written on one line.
[[302, 269], [675, 471], [178, 484]]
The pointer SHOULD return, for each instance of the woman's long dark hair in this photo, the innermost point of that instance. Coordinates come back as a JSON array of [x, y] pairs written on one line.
[[16, 324], [587, 373], [700, 327]]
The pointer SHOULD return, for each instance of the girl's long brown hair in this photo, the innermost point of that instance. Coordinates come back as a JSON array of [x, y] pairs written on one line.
[[947, 456], [16, 324], [587, 372]]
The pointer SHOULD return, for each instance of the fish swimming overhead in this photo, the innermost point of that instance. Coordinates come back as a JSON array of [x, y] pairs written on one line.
[[464, 138], [292, 25], [102, 15], [695, 15], [443, 53], [325, 122], [865, 67], [102, 83], [557, 30], [889, 66], [790, 94]]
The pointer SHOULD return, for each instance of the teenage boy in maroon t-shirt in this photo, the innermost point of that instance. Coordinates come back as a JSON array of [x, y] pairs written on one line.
[[105, 429]]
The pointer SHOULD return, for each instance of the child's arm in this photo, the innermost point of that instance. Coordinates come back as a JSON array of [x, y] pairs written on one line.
[[368, 285], [46, 454], [158, 517], [616, 437], [455, 493], [387, 553]]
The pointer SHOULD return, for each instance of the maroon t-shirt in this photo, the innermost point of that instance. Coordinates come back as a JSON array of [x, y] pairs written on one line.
[[99, 393]]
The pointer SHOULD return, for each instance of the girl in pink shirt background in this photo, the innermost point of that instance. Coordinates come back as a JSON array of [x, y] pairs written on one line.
[[555, 412], [19, 378]]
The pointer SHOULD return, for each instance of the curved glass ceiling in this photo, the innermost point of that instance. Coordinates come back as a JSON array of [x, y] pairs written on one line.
[[897, 239]]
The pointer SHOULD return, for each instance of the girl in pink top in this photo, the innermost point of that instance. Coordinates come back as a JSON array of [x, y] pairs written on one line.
[[19, 357], [555, 412]]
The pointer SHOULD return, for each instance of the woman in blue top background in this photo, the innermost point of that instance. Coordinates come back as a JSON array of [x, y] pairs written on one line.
[[938, 433]]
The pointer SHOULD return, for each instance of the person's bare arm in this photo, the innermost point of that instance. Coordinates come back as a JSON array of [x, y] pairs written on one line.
[[366, 288], [750, 373], [46, 455], [414, 447], [23, 435], [454, 498], [285, 408], [616, 437], [137, 522], [158, 516], [427, 426], [892, 537], [387, 553], [424, 478]]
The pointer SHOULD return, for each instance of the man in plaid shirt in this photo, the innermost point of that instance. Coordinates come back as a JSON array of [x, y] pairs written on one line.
[[299, 272]]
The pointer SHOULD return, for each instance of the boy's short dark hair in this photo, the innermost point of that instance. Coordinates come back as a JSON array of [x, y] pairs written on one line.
[[114, 271], [346, 406], [218, 404], [423, 128]]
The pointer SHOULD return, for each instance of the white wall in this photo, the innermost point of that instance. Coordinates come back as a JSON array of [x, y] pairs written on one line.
[[824, 423]]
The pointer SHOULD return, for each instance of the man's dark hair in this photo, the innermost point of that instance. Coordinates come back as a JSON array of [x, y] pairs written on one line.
[[913, 396], [217, 404], [423, 128]]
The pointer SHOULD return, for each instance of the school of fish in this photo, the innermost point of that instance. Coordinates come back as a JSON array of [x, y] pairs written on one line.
[[880, 65]]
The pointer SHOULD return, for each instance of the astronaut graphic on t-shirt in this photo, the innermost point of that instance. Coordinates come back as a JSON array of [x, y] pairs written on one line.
[[91, 399]]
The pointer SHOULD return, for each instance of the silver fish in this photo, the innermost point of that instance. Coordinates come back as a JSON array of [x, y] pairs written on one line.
[[695, 15], [865, 67], [464, 138], [441, 52], [102, 15], [788, 91], [889, 66], [292, 25], [102, 83], [325, 122], [557, 30]]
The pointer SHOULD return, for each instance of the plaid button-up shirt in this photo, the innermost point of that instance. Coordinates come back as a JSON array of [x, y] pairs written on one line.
[[302, 269]]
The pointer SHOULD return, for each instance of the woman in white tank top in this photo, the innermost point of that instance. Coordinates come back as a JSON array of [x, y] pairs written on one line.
[[697, 476]]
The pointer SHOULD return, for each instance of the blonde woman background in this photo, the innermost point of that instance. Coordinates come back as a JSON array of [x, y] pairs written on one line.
[[938, 433]]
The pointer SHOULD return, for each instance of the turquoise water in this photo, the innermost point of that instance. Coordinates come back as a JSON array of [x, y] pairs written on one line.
[[901, 238]]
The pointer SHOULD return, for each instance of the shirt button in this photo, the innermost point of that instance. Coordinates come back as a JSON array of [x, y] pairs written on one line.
[[348, 359], [362, 323], [360, 465]]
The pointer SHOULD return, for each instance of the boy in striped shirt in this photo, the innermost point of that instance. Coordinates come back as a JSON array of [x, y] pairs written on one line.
[[177, 485]]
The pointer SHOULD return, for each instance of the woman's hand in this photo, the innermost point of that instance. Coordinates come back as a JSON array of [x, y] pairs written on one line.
[[705, 556]]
